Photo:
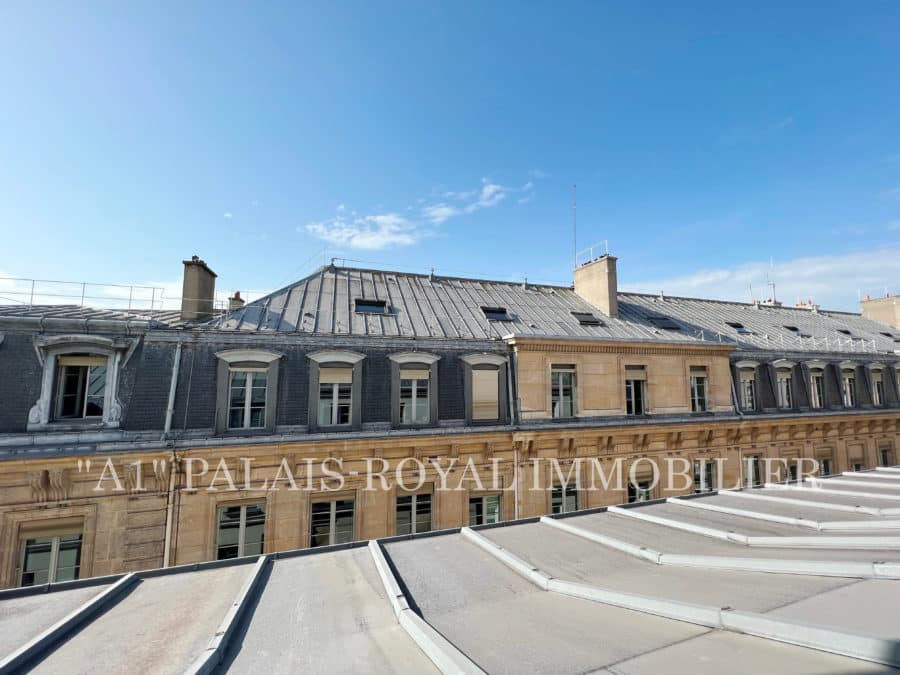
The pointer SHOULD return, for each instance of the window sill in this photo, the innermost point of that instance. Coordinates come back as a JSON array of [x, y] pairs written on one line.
[[73, 425]]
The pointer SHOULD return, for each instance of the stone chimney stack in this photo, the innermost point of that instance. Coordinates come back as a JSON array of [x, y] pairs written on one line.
[[235, 302], [198, 290], [595, 281], [885, 310]]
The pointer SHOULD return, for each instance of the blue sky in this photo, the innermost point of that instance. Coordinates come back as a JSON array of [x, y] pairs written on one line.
[[708, 141]]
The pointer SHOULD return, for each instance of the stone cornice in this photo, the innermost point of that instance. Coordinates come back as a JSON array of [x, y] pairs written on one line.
[[597, 347]]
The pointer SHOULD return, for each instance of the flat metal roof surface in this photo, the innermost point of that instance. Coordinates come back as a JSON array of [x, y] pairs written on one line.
[[583, 592]]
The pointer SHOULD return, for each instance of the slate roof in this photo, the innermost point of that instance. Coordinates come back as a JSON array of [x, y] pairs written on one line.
[[813, 589], [419, 305]]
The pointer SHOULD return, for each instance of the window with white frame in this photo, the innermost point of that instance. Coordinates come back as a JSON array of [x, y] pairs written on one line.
[[704, 476], [46, 558], [640, 491], [785, 391], [332, 522], [748, 389], [848, 387], [335, 396], [484, 509], [564, 499], [562, 383], [240, 530], [877, 388], [817, 388], [698, 389], [247, 398], [415, 395], [635, 390], [413, 513], [825, 466], [80, 386]]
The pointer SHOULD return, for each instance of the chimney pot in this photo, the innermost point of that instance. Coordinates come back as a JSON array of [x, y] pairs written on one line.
[[235, 302]]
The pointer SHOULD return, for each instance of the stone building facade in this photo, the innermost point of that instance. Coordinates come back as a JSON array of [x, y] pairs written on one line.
[[358, 404]]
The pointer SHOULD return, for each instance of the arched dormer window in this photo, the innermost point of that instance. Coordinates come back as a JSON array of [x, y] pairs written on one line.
[[485, 388], [747, 394], [335, 388], [79, 381], [414, 389], [246, 390]]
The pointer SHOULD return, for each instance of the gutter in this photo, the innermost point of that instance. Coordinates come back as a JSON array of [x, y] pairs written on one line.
[[173, 465]]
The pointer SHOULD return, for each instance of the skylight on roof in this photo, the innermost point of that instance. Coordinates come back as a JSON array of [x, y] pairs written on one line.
[[793, 328], [364, 306], [587, 319], [495, 313], [663, 322], [739, 327], [844, 331], [888, 335]]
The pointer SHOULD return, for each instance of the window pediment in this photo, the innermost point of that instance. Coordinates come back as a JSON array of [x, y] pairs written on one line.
[[875, 367], [336, 356], [234, 356], [746, 365], [414, 357], [781, 364], [848, 365], [485, 360]]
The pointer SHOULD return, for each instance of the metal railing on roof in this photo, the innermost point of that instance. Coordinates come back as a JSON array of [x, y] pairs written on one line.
[[128, 298]]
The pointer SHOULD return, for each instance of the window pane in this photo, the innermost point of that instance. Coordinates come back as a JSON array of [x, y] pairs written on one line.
[[404, 514], [476, 510], [36, 565], [71, 378], [228, 532], [320, 524], [96, 389], [423, 513], [343, 521], [485, 394], [254, 529], [326, 404], [68, 562], [345, 395], [492, 509]]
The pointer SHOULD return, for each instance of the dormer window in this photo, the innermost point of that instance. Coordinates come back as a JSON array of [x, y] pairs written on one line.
[[247, 390], [495, 313], [335, 390], [364, 306], [79, 381], [587, 319]]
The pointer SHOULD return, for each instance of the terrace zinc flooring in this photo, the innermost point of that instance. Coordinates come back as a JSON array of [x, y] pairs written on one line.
[[163, 624], [326, 613], [572, 558], [669, 540], [22, 619], [507, 625], [806, 512], [745, 525]]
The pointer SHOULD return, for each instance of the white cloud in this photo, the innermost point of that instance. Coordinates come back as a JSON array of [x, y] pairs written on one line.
[[368, 232], [833, 281], [439, 213], [537, 173], [390, 229], [227, 215]]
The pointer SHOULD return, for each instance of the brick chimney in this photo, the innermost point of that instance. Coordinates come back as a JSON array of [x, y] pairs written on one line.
[[595, 281], [198, 290], [235, 302], [884, 310]]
